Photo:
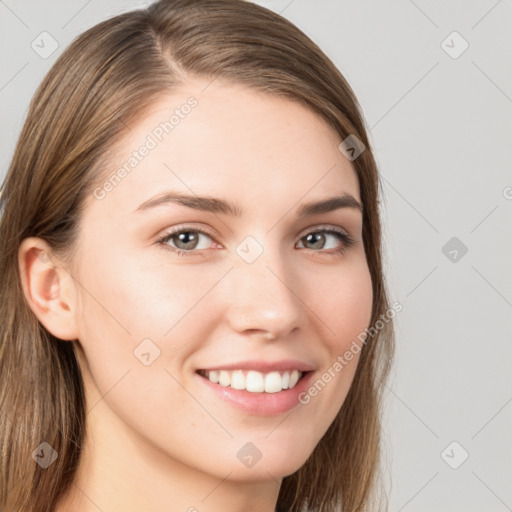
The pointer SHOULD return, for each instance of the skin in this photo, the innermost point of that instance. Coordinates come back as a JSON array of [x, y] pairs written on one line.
[[157, 438]]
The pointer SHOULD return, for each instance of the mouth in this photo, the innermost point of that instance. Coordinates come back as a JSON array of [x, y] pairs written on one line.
[[254, 381], [256, 393]]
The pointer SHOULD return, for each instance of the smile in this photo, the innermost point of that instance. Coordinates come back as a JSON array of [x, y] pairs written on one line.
[[258, 393], [254, 381]]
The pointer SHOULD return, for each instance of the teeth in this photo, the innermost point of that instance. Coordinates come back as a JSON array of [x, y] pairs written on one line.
[[273, 382], [294, 378], [237, 380], [255, 382], [286, 380], [224, 378], [214, 376]]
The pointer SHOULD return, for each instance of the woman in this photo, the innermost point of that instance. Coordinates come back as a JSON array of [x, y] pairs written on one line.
[[194, 312]]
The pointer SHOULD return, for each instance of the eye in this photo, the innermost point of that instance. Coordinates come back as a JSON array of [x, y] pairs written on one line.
[[185, 241], [318, 240]]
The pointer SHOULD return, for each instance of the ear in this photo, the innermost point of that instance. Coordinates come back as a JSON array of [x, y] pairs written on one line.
[[49, 289]]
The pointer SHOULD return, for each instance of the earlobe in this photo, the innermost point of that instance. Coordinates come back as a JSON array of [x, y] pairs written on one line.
[[48, 288]]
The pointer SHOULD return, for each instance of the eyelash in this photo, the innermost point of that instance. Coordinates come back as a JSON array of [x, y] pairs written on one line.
[[347, 241]]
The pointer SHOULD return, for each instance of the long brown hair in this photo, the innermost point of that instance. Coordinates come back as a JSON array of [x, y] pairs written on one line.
[[101, 83]]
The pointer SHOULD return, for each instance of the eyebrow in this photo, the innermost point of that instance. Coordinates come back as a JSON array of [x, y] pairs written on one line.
[[216, 205]]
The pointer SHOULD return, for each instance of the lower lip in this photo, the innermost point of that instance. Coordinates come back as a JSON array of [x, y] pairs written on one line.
[[261, 404]]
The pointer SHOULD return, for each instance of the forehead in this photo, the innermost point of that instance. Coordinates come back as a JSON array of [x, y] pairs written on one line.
[[231, 141]]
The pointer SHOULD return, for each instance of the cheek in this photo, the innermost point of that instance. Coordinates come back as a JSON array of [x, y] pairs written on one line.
[[344, 304], [129, 310], [344, 307], [140, 300]]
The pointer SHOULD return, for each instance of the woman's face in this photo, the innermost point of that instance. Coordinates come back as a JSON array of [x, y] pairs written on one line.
[[265, 291]]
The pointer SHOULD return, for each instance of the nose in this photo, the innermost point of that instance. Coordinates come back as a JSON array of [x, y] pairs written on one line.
[[264, 298]]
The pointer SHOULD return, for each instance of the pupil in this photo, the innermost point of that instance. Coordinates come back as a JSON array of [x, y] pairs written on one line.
[[314, 238], [186, 237]]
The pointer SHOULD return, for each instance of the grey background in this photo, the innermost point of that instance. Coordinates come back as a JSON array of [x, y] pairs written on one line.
[[441, 128]]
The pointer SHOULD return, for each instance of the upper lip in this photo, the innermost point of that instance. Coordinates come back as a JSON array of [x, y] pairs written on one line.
[[265, 366]]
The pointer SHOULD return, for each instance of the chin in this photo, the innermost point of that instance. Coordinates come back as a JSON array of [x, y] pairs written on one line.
[[273, 460], [265, 470]]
